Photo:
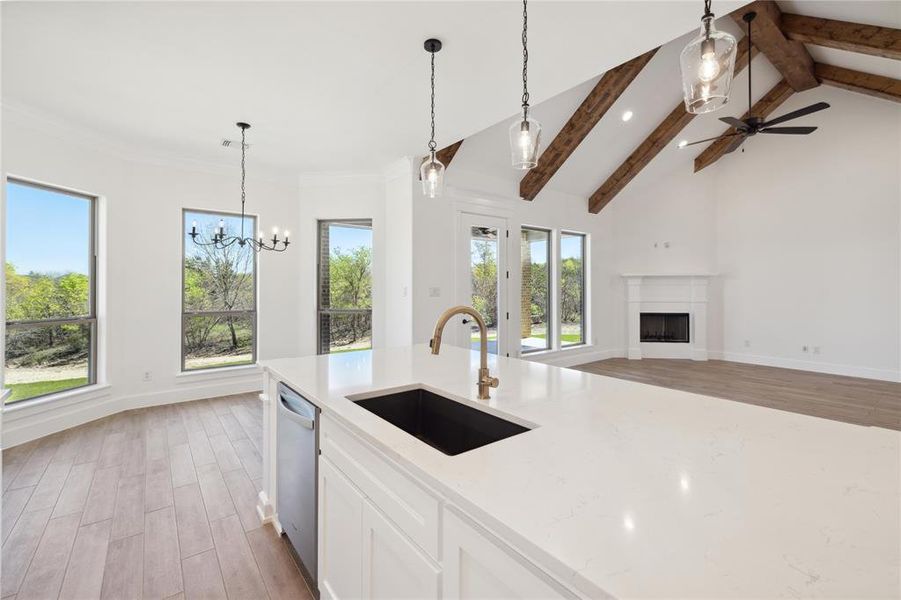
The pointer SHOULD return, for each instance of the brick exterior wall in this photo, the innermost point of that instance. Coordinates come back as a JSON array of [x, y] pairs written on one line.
[[525, 295]]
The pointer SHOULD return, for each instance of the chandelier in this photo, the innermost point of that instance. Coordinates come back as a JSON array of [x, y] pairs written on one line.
[[219, 238]]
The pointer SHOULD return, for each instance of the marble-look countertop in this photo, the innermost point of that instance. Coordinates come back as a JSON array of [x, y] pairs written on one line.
[[638, 491]]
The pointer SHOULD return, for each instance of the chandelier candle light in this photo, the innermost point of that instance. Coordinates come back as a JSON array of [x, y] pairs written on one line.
[[525, 134], [431, 172], [708, 63], [221, 240]]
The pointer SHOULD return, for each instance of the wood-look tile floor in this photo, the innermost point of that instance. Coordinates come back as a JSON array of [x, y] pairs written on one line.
[[150, 503], [849, 399]]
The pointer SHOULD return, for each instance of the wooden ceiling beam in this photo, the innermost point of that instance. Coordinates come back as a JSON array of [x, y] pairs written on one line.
[[763, 108], [856, 81], [842, 35], [790, 57], [607, 90], [665, 132]]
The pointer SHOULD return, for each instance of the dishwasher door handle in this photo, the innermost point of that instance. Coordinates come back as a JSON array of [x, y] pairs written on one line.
[[301, 420]]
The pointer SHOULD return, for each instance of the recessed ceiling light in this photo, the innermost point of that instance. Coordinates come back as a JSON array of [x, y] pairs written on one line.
[[627, 115], [683, 143]]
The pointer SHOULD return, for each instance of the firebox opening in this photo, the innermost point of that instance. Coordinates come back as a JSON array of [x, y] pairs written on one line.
[[664, 327]]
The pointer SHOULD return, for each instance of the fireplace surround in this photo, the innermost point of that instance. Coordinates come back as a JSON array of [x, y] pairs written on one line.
[[666, 315]]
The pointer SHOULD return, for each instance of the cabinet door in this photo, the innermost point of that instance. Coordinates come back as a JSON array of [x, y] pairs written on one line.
[[476, 566], [340, 535], [393, 566]]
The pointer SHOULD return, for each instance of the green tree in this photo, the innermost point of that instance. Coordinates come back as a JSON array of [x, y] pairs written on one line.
[[350, 287], [571, 290], [484, 280]]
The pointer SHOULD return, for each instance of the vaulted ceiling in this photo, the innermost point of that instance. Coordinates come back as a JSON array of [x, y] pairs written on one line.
[[328, 86], [615, 152]]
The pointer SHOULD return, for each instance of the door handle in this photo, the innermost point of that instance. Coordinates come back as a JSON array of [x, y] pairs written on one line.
[[301, 420]]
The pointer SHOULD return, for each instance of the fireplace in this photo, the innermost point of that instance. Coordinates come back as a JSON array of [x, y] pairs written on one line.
[[664, 327]]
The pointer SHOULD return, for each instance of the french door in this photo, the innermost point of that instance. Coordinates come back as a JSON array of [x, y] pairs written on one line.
[[482, 280]]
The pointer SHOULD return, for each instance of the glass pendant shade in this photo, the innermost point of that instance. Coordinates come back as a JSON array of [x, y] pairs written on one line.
[[432, 175], [708, 63], [525, 139]]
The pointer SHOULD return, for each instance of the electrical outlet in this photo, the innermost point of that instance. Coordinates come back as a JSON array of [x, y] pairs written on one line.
[[148, 375], [816, 349], [747, 343], [805, 348], [434, 292]]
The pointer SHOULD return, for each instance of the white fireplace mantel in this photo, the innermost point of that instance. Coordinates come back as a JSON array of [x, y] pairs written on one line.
[[667, 293]]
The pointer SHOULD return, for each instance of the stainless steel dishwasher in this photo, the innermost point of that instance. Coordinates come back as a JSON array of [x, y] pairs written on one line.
[[297, 472]]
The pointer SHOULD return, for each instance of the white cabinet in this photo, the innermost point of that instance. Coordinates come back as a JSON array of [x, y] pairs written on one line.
[[393, 567], [340, 535], [478, 567]]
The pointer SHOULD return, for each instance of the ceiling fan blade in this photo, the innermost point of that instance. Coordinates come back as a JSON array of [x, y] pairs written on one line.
[[733, 122], [797, 113], [711, 139], [790, 130], [736, 144]]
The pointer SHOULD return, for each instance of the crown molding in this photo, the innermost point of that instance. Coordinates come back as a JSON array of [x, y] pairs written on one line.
[[52, 125]]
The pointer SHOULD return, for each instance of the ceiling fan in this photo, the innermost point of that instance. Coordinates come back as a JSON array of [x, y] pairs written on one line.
[[754, 125]]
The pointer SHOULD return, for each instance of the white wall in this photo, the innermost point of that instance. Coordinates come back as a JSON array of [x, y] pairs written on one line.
[[140, 273], [803, 231], [808, 241]]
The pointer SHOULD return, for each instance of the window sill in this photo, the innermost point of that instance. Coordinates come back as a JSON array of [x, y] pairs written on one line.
[[68, 397], [552, 352], [205, 374]]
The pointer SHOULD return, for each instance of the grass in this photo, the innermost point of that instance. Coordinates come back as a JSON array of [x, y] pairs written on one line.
[[572, 338], [342, 350], [24, 391], [224, 363]]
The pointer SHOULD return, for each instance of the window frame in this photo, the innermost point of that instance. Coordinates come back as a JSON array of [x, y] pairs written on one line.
[[584, 300], [319, 309], [256, 300], [552, 325], [90, 318]]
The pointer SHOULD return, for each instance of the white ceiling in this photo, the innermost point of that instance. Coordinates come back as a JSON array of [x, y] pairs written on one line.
[[328, 86], [654, 93]]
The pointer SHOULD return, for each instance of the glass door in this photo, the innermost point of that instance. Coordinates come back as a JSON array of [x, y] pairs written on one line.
[[483, 280]]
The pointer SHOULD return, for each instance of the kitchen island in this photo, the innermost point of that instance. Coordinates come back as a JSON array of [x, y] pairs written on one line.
[[618, 489]]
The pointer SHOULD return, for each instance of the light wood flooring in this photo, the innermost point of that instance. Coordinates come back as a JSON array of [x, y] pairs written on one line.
[[150, 503], [849, 399]]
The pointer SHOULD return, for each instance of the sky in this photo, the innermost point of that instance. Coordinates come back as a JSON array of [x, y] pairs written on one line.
[[346, 238], [47, 231]]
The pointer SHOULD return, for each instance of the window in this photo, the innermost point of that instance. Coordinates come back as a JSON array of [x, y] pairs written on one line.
[[572, 289], [535, 261], [345, 286], [219, 317], [51, 323]]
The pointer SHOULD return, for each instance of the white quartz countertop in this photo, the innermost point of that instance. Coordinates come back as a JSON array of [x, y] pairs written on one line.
[[638, 491]]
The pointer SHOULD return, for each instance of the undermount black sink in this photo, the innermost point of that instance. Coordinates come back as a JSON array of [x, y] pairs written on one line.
[[443, 424]]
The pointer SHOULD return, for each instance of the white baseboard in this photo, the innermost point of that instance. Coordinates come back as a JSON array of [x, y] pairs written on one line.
[[574, 356], [265, 512], [31, 422], [808, 365]]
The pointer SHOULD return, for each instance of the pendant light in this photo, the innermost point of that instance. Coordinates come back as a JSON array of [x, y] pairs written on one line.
[[219, 238], [708, 63], [431, 172], [525, 134]]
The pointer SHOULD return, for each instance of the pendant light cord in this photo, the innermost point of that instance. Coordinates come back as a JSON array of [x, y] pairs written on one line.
[[750, 56], [243, 175], [432, 144], [525, 60]]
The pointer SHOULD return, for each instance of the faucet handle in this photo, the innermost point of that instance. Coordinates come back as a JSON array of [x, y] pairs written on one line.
[[493, 382]]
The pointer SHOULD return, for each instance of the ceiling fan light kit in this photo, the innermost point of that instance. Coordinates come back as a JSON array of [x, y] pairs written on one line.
[[431, 172], [751, 125], [708, 64]]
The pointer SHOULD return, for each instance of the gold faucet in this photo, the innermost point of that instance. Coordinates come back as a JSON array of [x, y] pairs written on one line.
[[486, 381]]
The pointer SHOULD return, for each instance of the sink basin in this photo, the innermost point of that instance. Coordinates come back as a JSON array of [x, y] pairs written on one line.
[[442, 423]]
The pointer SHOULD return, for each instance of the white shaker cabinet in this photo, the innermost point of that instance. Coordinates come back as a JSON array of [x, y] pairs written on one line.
[[340, 535], [393, 567], [476, 567]]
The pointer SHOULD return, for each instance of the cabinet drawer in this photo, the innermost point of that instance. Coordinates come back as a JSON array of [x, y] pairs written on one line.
[[413, 509]]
